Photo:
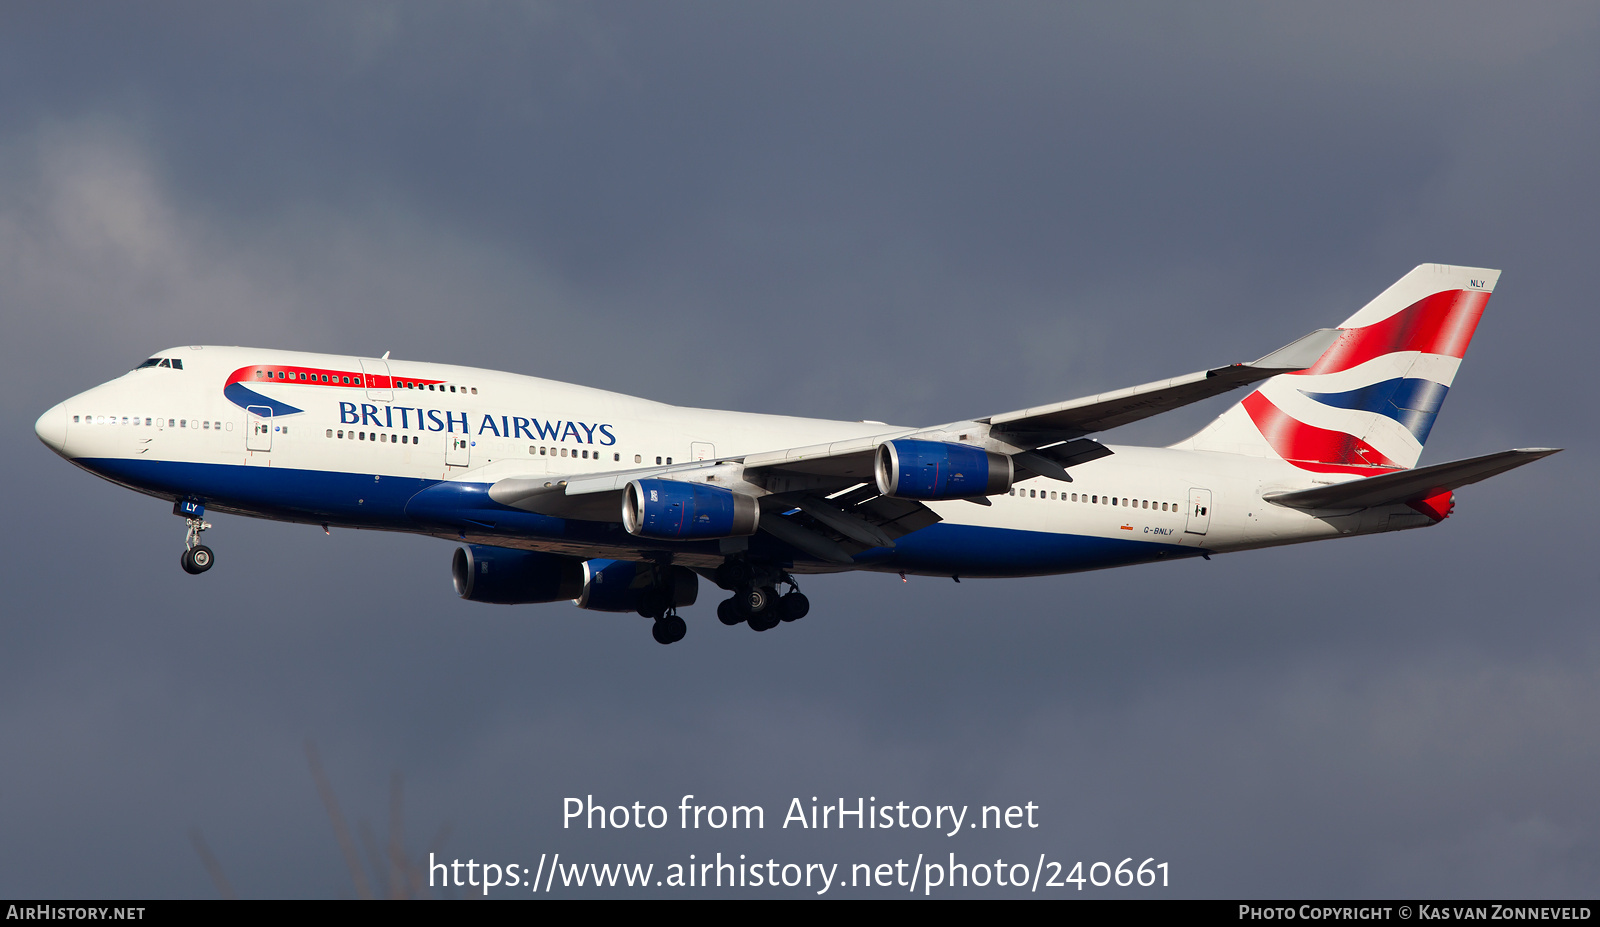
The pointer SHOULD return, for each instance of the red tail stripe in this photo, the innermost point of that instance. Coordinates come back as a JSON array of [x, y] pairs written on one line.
[[1439, 324], [1311, 448]]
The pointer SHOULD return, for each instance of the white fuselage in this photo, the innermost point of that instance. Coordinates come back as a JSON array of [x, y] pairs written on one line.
[[227, 429]]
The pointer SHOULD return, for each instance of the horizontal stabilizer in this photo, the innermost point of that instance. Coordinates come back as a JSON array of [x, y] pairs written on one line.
[[1409, 485]]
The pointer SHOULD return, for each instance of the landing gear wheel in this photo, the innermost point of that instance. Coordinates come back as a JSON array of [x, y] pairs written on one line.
[[733, 574], [728, 612], [653, 604], [758, 599], [765, 621], [198, 559], [669, 629], [793, 606]]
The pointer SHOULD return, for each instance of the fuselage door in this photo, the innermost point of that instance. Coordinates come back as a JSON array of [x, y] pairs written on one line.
[[457, 450], [702, 450], [258, 428], [1199, 511], [376, 372]]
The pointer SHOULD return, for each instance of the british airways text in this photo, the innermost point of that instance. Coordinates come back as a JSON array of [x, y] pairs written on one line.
[[504, 426]]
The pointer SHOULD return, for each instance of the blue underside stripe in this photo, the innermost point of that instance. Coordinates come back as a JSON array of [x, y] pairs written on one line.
[[424, 505], [1410, 401]]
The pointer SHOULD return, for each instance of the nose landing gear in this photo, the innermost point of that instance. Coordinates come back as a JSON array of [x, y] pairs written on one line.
[[197, 558]]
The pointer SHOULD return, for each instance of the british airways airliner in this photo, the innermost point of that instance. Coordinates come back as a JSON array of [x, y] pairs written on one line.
[[560, 492]]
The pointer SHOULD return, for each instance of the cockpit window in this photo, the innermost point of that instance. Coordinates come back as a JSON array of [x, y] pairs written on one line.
[[152, 362], [171, 362]]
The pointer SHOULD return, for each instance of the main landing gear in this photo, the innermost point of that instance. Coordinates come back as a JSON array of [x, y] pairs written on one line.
[[755, 599], [668, 628], [197, 558]]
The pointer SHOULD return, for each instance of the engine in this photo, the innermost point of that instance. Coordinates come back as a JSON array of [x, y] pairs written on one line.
[[671, 510], [627, 586], [505, 576], [909, 469]]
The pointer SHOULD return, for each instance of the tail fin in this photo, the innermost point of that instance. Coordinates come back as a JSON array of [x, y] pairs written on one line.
[[1366, 406]]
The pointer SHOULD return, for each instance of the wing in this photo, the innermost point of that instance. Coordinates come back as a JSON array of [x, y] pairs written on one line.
[[1078, 417], [1046, 439]]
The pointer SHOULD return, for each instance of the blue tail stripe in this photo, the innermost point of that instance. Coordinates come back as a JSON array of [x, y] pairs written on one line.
[[1411, 401]]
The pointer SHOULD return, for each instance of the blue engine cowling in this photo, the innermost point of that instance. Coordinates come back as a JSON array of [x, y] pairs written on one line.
[[621, 585], [671, 510], [505, 576], [935, 470]]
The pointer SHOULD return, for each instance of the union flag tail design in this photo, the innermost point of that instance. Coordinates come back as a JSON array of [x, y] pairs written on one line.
[[1366, 406]]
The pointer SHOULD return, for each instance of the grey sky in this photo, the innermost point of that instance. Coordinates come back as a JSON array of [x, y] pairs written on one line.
[[908, 212]]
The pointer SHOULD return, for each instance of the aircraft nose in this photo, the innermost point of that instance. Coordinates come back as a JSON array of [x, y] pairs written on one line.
[[52, 429]]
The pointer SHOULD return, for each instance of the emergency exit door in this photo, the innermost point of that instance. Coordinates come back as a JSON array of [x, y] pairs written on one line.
[[457, 450], [1199, 511], [258, 428]]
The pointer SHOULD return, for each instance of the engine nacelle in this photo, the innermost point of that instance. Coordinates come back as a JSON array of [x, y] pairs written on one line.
[[505, 576], [622, 585], [671, 510], [909, 469]]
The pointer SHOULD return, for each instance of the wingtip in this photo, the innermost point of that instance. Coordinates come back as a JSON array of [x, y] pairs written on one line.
[[1299, 353]]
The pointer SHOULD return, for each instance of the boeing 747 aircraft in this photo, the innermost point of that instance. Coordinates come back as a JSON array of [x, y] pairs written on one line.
[[625, 505]]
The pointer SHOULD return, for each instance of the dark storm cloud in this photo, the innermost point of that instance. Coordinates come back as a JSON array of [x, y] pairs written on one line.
[[904, 212]]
